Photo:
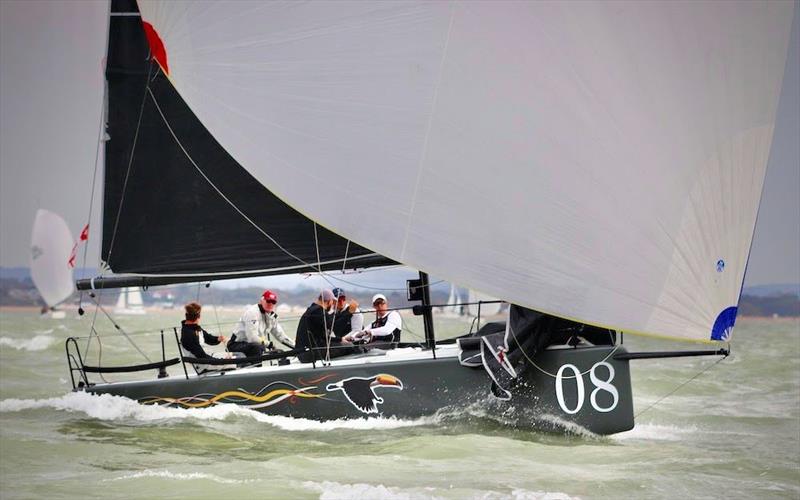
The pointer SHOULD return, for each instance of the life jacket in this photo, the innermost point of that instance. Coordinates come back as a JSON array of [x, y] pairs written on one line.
[[395, 337]]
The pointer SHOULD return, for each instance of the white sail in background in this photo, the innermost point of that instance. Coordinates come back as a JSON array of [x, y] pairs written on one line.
[[453, 300], [51, 246], [130, 302], [611, 153], [485, 309]]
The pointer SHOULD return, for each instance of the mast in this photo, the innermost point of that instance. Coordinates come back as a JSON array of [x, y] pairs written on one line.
[[419, 291]]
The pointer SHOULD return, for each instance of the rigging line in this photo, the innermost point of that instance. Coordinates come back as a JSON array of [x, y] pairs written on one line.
[[110, 318], [346, 250], [324, 315], [100, 136], [92, 329], [325, 275], [99, 355], [673, 391], [130, 162], [214, 306], [214, 186]]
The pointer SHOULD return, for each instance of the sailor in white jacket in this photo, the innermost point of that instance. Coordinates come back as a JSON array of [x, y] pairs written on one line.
[[385, 331], [258, 329]]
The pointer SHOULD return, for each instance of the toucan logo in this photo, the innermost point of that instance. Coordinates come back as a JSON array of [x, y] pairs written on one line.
[[361, 391]]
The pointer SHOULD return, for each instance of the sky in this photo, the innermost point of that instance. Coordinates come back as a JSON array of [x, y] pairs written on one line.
[[47, 157]]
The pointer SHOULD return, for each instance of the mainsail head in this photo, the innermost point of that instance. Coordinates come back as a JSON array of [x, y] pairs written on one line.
[[601, 162]]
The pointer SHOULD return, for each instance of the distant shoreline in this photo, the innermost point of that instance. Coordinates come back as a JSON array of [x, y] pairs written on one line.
[[158, 311]]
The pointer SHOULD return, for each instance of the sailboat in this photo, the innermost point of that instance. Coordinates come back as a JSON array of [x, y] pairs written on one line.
[[481, 304], [453, 306], [130, 302], [51, 270], [598, 166]]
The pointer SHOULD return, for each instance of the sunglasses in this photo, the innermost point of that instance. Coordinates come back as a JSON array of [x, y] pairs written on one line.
[[272, 302]]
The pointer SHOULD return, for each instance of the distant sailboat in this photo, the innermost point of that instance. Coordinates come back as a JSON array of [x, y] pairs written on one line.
[[483, 305], [130, 302], [51, 246], [453, 307]]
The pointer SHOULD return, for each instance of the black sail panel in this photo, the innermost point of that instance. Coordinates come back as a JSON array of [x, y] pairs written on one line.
[[173, 211]]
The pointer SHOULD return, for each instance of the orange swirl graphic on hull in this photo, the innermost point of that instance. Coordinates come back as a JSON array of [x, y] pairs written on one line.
[[267, 399]]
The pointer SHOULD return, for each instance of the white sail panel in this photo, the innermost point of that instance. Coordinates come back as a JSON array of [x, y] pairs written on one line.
[[597, 161], [51, 247]]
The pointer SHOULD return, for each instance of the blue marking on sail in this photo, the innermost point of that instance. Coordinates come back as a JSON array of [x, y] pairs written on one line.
[[720, 265], [723, 326]]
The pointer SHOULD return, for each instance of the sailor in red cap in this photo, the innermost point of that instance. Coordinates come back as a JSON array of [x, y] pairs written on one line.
[[258, 330]]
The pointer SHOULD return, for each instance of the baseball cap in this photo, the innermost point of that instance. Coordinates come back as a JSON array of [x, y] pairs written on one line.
[[270, 295], [377, 297], [338, 293]]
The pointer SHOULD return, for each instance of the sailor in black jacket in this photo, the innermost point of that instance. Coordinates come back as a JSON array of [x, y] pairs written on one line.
[[314, 332], [190, 333], [348, 317]]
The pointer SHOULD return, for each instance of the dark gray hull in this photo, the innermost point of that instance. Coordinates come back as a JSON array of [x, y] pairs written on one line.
[[548, 395]]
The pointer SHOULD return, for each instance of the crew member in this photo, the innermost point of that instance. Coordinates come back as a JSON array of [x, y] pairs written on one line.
[[348, 316], [314, 331], [384, 332], [258, 329], [191, 330]]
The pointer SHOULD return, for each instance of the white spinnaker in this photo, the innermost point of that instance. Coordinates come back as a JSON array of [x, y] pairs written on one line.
[[598, 161], [51, 246]]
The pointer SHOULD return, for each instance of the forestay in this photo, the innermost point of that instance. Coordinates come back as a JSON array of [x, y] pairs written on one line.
[[598, 161]]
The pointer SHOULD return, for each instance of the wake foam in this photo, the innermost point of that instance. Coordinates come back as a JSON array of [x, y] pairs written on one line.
[[180, 476], [37, 343], [569, 427], [330, 490], [655, 432], [108, 407]]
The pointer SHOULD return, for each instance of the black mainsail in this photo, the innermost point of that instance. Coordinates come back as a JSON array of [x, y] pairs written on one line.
[[175, 202]]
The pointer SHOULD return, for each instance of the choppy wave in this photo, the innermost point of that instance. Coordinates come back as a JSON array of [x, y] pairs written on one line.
[[108, 407], [37, 343], [180, 476], [330, 490]]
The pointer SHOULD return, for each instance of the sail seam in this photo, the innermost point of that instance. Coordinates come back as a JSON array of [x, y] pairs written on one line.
[[245, 273], [428, 131]]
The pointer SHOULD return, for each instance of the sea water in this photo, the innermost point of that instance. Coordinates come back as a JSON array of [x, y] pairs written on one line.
[[732, 432]]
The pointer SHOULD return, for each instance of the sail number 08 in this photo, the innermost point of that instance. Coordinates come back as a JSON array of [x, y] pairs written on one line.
[[599, 385]]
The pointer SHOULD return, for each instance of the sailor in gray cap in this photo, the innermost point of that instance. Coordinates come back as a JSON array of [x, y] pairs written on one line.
[[314, 331]]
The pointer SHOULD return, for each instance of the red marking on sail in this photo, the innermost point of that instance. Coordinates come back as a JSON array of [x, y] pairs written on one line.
[[157, 50], [83, 237]]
